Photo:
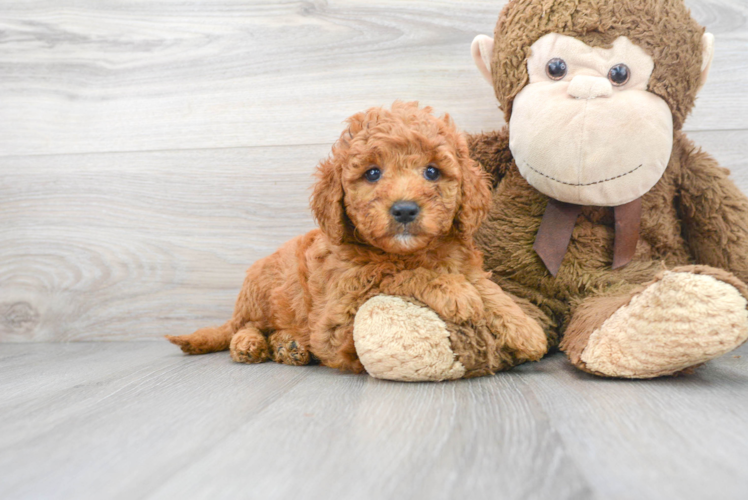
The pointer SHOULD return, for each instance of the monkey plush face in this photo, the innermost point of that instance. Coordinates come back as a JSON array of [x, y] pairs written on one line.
[[593, 91], [585, 130]]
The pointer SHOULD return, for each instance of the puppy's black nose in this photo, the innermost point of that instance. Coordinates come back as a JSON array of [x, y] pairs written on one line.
[[405, 211]]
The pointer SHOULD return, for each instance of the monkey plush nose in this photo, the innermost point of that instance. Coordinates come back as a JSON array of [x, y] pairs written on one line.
[[589, 87], [404, 211]]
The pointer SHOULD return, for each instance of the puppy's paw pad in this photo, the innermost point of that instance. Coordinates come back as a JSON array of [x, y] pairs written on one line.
[[284, 349], [249, 349]]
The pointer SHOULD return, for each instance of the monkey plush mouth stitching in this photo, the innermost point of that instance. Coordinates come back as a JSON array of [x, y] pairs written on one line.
[[584, 184]]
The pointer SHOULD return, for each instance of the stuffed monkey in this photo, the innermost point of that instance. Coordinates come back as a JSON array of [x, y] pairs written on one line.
[[626, 242]]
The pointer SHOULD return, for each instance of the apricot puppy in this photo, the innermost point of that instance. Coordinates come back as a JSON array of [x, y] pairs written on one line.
[[397, 203]]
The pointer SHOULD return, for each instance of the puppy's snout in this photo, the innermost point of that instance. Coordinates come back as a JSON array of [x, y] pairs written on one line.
[[405, 211]]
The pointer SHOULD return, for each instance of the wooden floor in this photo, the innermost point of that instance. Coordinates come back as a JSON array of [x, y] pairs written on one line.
[[129, 420]]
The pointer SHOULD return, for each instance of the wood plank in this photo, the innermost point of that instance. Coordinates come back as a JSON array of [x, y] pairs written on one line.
[[730, 149], [123, 76], [129, 246], [720, 104], [99, 431], [384, 440], [138, 245], [144, 421], [657, 439], [204, 427]]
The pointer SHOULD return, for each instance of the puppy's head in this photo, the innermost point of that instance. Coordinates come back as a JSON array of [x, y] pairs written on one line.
[[400, 180]]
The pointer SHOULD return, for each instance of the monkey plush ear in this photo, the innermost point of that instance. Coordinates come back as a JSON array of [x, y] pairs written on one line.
[[482, 50], [707, 54]]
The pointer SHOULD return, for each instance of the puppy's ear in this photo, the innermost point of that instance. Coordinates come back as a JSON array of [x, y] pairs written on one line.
[[475, 196], [327, 202]]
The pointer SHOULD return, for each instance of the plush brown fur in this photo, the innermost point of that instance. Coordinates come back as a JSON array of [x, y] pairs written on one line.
[[663, 28], [305, 296], [693, 215]]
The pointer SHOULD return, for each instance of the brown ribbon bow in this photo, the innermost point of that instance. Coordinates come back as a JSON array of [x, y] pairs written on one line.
[[558, 223]]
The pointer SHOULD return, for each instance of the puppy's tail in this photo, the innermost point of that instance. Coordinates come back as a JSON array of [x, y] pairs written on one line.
[[205, 340]]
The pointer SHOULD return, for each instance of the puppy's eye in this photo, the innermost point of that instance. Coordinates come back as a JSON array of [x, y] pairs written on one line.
[[619, 74], [556, 69], [373, 174], [432, 173]]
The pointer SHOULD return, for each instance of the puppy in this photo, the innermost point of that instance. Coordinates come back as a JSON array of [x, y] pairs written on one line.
[[397, 203]]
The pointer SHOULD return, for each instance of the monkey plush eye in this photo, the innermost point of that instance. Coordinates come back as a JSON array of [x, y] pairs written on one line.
[[431, 173], [619, 74], [373, 174], [556, 69]]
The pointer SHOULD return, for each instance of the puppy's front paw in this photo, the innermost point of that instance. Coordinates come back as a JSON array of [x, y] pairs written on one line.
[[248, 345], [521, 335], [454, 299], [516, 333]]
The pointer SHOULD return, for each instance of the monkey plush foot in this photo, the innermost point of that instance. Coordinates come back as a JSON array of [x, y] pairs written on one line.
[[402, 339], [398, 340], [684, 318]]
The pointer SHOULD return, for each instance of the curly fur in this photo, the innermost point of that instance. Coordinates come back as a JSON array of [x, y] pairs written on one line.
[[308, 292]]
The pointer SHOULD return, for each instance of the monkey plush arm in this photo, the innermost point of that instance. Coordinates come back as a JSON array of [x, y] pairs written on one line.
[[491, 150], [714, 213]]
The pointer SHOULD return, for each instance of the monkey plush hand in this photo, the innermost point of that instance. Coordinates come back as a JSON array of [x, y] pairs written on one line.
[[626, 242]]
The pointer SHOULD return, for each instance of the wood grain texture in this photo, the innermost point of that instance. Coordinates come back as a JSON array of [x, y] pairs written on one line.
[[137, 245], [151, 151], [133, 76], [140, 420], [128, 246]]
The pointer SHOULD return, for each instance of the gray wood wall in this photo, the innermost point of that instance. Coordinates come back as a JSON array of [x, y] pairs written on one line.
[[151, 150]]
